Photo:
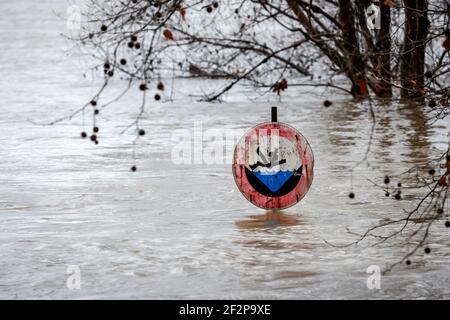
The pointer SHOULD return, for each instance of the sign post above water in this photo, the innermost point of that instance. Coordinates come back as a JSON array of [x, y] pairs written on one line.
[[274, 114], [273, 165]]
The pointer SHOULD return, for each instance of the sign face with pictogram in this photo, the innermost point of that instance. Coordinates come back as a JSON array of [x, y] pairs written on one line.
[[273, 165]]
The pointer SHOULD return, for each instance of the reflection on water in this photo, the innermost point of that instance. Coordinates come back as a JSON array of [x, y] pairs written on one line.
[[350, 128], [277, 224], [294, 274], [417, 139], [271, 219]]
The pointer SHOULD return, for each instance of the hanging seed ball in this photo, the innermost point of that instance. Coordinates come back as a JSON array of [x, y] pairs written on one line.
[[123, 61], [431, 172], [399, 184], [209, 9], [216, 5], [316, 9], [106, 65], [327, 103], [158, 15], [397, 196], [83, 134], [95, 129], [96, 111], [141, 132], [447, 224], [157, 97], [96, 141], [432, 103], [93, 103], [428, 74], [93, 137], [142, 87], [386, 180], [130, 45], [133, 168], [91, 35], [137, 45], [110, 73], [133, 38], [387, 194], [351, 195], [160, 86], [408, 262], [427, 250], [440, 211], [103, 28]]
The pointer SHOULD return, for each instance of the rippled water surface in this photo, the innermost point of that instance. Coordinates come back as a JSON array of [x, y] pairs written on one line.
[[185, 231]]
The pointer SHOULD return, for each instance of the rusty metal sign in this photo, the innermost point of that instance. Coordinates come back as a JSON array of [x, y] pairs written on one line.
[[273, 165]]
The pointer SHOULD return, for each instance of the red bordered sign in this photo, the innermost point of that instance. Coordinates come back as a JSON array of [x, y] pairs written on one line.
[[273, 165]]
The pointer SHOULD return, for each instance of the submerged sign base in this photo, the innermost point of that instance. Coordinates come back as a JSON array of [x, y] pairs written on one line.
[[273, 165]]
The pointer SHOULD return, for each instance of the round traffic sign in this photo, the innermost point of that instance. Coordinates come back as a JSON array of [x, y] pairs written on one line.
[[273, 165]]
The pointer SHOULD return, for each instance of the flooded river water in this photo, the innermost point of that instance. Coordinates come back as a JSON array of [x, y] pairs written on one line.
[[185, 231]]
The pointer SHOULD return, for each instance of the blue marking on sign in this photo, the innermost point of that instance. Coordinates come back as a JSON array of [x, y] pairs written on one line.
[[274, 181]]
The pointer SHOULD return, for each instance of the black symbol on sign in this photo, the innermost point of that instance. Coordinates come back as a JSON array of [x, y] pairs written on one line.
[[273, 157]]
